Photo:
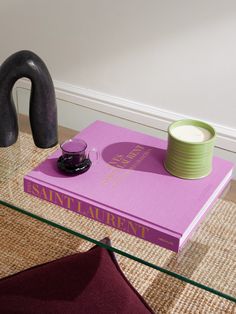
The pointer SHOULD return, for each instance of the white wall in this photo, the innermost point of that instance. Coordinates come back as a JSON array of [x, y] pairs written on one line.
[[171, 57], [176, 55]]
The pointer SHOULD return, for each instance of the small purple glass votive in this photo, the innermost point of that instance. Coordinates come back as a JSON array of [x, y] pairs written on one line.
[[75, 159], [74, 151]]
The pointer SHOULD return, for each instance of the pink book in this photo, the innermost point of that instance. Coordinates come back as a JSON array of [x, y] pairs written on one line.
[[129, 189]]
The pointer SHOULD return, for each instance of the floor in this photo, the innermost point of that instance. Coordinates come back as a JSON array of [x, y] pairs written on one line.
[[65, 133]]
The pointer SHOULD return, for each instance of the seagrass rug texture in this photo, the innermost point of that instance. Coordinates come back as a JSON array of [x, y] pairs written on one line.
[[26, 242]]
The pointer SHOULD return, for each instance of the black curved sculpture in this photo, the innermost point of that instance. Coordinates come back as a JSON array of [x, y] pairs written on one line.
[[43, 108]]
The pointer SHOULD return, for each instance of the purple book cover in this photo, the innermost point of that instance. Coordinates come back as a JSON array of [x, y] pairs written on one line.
[[128, 187]]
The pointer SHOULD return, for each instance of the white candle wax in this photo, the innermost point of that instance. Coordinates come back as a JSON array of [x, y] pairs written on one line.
[[191, 133]]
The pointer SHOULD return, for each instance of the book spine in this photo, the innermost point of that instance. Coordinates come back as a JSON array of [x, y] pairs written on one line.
[[101, 215]]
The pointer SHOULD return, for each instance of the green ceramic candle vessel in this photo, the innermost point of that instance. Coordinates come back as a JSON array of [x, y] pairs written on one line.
[[190, 149]]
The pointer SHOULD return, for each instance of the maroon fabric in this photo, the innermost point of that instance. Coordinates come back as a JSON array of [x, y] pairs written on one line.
[[89, 282]]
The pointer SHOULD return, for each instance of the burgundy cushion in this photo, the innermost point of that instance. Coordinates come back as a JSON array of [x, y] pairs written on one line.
[[90, 282]]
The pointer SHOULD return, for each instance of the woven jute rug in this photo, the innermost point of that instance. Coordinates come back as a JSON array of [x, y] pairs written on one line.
[[208, 258], [26, 242]]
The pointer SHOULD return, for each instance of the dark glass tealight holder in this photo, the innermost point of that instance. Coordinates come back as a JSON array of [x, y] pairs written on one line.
[[75, 159]]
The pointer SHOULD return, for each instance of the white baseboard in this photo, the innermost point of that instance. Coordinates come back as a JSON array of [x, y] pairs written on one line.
[[142, 114]]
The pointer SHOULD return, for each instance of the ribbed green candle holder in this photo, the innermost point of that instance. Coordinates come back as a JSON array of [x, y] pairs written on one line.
[[190, 159]]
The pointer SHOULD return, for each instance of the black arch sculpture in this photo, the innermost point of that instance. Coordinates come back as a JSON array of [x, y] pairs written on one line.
[[43, 108]]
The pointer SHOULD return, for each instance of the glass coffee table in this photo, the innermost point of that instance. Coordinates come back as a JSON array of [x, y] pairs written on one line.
[[207, 261]]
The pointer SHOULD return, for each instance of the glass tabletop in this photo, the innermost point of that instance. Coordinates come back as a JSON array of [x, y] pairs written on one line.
[[208, 260]]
